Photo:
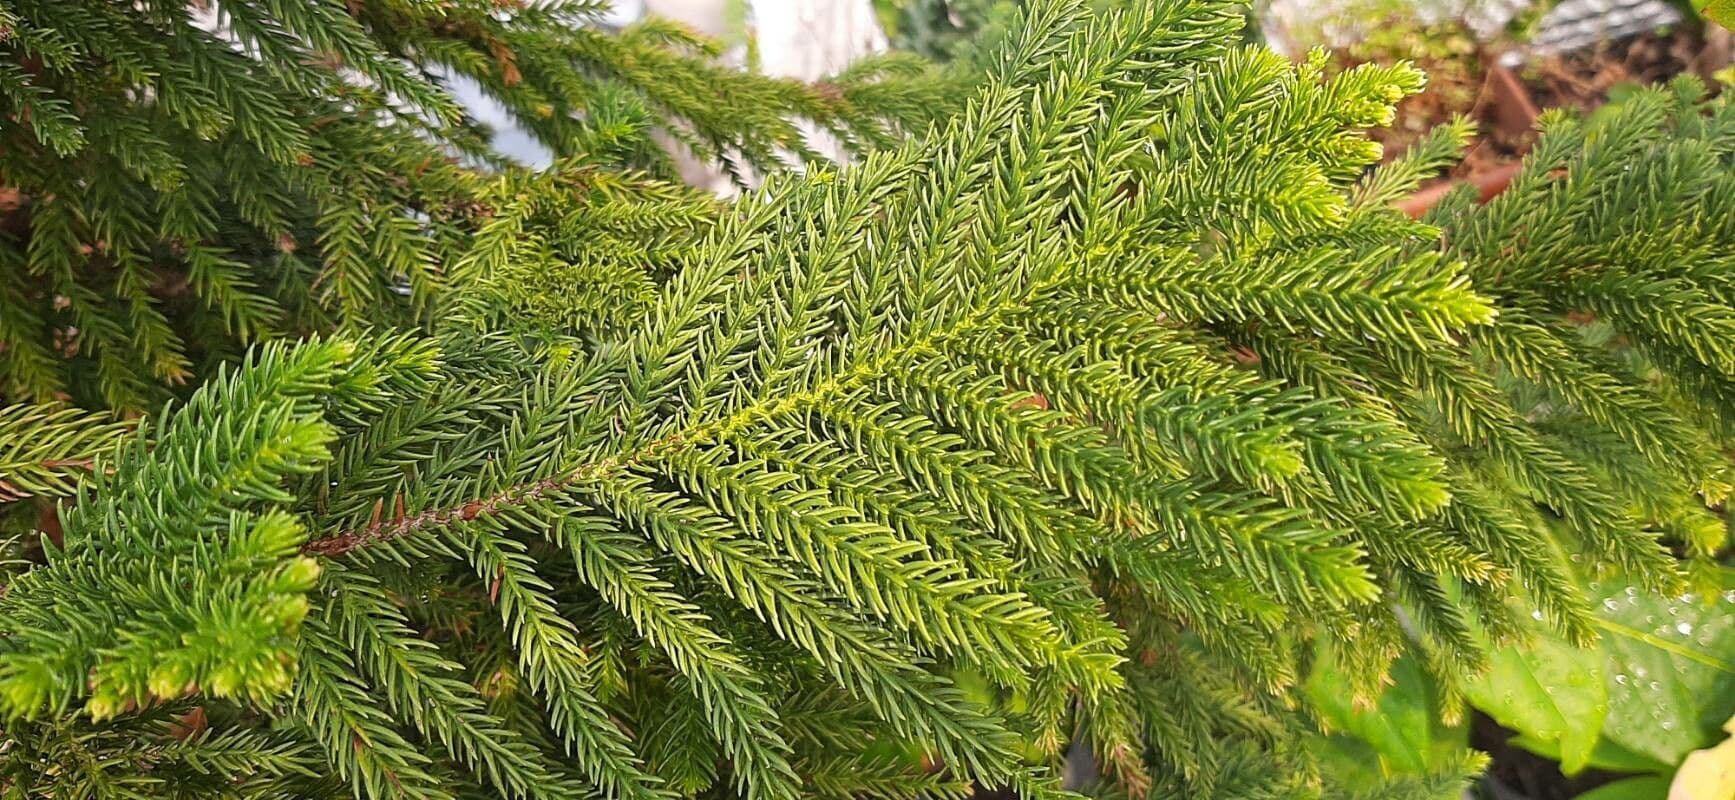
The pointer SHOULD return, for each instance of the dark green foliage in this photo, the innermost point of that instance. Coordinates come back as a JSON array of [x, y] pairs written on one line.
[[1082, 419], [179, 180], [580, 250]]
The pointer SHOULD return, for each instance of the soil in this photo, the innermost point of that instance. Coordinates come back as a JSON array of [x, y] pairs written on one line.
[[1467, 81], [1506, 102], [1584, 78], [1518, 774]]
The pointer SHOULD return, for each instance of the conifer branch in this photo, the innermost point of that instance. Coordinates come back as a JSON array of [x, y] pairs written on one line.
[[1083, 420]]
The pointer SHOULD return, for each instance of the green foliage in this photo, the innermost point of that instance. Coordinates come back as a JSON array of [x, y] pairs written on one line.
[[578, 251], [1718, 11], [180, 180], [1640, 788], [1402, 735], [1673, 680], [1551, 692], [191, 536], [45, 449], [1116, 394], [940, 28], [1655, 689]]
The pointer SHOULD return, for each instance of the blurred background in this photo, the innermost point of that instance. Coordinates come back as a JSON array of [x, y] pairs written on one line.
[[1498, 62]]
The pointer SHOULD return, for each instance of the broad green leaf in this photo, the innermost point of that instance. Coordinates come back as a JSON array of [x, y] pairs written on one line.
[[1647, 787], [1606, 756], [1670, 669], [1348, 761], [1548, 690], [1402, 730], [1351, 770]]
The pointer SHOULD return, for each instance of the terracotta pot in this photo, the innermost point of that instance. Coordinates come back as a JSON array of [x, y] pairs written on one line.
[[1504, 105], [1489, 182]]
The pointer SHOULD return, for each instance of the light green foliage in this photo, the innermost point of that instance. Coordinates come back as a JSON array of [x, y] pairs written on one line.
[[1552, 692], [1115, 393], [1401, 735], [180, 180], [45, 449], [1650, 216], [1718, 11], [187, 578]]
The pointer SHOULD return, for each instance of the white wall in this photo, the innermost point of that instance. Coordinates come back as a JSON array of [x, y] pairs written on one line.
[[805, 39], [810, 39]]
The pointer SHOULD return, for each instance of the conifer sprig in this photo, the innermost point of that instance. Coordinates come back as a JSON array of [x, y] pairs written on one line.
[[1080, 419]]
